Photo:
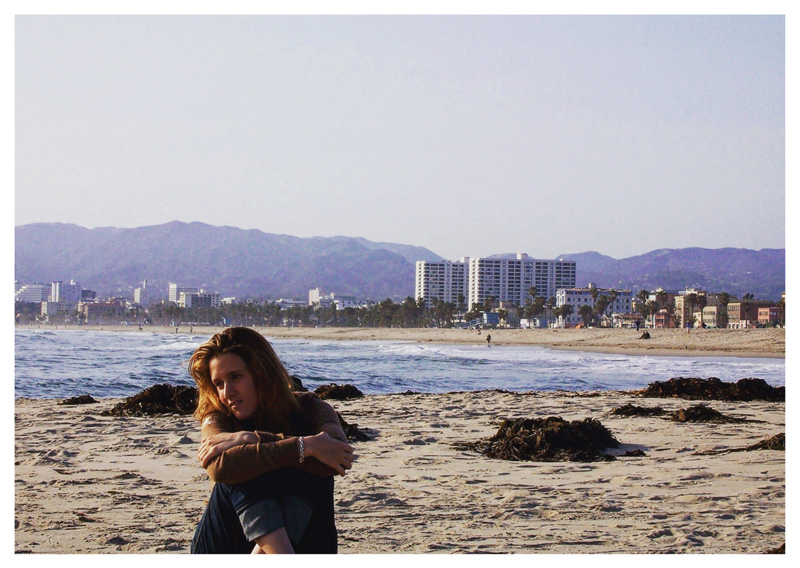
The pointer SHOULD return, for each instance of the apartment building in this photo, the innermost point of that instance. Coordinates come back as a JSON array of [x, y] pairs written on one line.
[[743, 315], [578, 297], [444, 280], [175, 291], [100, 312], [200, 299], [712, 315], [140, 295], [504, 279], [509, 280], [35, 293], [769, 315], [67, 294], [685, 310]]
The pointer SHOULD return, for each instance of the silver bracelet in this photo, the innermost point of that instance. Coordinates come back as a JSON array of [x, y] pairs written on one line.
[[301, 448]]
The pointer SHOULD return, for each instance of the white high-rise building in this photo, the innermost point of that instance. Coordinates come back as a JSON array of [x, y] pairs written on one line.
[[32, 293], [67, 294], [444, 280], [175, 292], [504, 279], [140, 295], [510, 279]]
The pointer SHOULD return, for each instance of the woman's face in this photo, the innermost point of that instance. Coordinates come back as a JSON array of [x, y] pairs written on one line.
[[234, 384]]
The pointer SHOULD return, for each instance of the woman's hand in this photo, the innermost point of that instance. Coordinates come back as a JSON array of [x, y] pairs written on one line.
[[329, 451], [214, 445]]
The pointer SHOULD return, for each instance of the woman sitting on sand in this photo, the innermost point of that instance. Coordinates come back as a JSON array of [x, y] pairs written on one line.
[[271, 452]]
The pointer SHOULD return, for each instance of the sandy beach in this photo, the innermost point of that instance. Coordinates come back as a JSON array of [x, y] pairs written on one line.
[[86, 483], [756, 342]]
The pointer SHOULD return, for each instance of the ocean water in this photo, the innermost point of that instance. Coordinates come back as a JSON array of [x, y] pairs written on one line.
[[65, 363]]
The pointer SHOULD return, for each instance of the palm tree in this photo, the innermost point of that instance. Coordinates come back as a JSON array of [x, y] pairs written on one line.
[[587, 313], [564, 312], [550, 305], [502, 314], [600, 306], [702, 301], [691, 298], [612, 297], [652, 308], [722, 315], [641, 306]]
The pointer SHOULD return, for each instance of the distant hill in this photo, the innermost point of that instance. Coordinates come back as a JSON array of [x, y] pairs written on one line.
[[736, 271], [254, 264], [228, 260]]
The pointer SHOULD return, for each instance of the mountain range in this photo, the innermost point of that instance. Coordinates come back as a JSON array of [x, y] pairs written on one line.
[[253, 264]]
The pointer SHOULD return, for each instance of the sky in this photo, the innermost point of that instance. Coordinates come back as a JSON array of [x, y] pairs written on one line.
[[467, 135]]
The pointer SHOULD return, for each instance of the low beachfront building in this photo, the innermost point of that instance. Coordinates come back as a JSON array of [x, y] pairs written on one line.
[[711, 316], [769, 315], [342, 301], [578, 297], [744, 314], [108, 312], [200, 299]]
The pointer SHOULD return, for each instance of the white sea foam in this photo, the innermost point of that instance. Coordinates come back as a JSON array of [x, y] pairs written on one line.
[[67, 363]]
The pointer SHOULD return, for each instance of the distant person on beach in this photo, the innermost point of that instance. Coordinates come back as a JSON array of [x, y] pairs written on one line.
[[488, 339], [271, 452]]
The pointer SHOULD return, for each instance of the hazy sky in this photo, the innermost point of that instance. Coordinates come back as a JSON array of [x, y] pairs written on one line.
[[467, 135]]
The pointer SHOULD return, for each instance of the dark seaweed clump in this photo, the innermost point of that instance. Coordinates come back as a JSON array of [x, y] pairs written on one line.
[[702, 413], [633, 410], [353, 432], [82, 399], [777, 442], [338, 392], [714, 389], [547, 439], [158, 399]]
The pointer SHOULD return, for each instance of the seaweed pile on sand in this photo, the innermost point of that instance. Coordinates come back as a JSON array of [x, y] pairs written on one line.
[[353, 432], [776, 442], [633, 410], [697, 413], [338, 392], [693, 388], [82, 399], [702, 413], [547, 439], [158, 399]]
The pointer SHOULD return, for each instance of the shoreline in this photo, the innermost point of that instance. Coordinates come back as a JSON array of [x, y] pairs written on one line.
[[758, 342], [87, 483]]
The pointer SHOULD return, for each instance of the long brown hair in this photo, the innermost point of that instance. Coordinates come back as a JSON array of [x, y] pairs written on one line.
[[273, 384]]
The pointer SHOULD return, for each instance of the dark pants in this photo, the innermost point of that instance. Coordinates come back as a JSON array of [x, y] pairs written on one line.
[[220, 530]]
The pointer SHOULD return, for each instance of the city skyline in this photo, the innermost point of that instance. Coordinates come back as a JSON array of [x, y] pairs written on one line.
[[467, 135]]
